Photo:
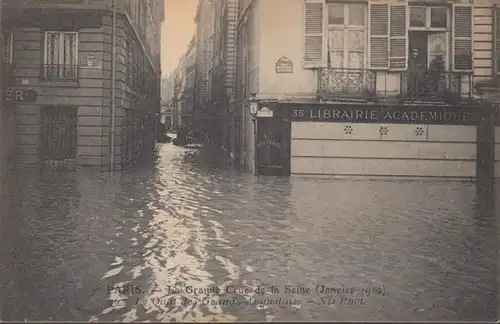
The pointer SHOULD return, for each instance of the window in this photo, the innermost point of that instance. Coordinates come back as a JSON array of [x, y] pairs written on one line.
[[380, 34], [346, 35], [429, 17], [7, 48], [7, 56], [61, 55], [129, 61]]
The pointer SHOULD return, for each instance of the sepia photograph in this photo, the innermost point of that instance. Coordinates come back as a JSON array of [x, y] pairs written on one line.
[[249, 161]]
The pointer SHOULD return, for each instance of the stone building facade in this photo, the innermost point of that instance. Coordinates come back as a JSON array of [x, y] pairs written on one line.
[[363, 88], [76, 61], [203, 59]]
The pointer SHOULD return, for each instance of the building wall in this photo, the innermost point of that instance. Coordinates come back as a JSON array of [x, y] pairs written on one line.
[[87, 96], [497, 150], [285, 36], [247, 77], [483, 40], [204, 30], [431, 151], [91, 93]]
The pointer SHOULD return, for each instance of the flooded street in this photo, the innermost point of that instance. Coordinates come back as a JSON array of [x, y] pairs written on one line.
[[184, 240]]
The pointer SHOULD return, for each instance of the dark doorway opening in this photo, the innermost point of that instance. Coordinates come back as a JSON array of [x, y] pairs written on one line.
[[273, 145], [58, 135]]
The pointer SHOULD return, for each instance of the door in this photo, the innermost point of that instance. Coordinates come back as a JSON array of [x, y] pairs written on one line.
[[58, 135], [272, 146]]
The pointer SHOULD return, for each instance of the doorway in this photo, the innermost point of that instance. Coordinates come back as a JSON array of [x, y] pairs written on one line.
[[418, 41], [58, 134], [272, 143]]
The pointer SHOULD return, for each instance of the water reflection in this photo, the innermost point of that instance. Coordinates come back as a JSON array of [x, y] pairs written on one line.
[[107, 247]]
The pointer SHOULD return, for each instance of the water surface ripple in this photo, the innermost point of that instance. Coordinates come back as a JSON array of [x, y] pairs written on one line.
[[96, 246]]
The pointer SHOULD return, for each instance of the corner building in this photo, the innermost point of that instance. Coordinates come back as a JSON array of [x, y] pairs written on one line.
[[64, 51], [369, 88]]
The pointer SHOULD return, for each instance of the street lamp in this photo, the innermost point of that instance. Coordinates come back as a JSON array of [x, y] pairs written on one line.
[[253, 105]]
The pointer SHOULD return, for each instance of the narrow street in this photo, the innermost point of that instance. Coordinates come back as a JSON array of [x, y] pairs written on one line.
[[186, 240]]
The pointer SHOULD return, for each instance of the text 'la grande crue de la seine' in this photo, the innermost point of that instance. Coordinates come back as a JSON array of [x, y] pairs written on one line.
[[262, 295]]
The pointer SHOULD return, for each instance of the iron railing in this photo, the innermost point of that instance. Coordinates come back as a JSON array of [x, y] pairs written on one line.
[[424, 86], [55, 72], [347, 83], [441, 87]]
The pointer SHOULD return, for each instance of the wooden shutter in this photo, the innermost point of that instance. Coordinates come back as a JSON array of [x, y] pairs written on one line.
[[398, 31], [462, 37], [314, 33], [496, 33], [379, 35]]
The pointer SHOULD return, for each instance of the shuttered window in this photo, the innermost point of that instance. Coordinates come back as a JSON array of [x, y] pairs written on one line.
[[379, 35], [314, 34], [496, 26], [7, 47], [346, 35], [398, 55], [462, 37]]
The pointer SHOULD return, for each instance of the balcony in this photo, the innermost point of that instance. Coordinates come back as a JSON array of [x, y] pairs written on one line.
[[60, 72], [346, 84], [358, 85], [447, 87]]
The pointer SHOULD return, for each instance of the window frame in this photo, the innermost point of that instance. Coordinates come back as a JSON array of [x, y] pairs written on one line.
[[428, 27], [346, 27], [11, 47], [60, 61], [61, 45]]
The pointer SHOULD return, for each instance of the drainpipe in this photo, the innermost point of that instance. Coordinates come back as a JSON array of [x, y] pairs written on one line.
[[113, 92]]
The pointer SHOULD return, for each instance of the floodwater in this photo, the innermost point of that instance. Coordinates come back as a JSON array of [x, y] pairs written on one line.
[[182, 239]]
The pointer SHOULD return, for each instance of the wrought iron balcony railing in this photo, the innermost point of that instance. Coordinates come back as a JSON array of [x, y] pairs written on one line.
[[60, 72], [339, 83], [446, 87]]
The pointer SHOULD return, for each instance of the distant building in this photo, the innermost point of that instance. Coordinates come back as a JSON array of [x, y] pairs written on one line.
[[8, 147], [63, 50], [188, 89], [203, 58], [222, 116]]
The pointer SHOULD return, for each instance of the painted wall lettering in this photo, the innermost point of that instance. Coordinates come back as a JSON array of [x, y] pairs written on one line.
[[383, 114]]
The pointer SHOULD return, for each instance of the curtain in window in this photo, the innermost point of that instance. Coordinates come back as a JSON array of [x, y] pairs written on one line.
[[7, 48], [346, 46], [69, 55], [53, 48]]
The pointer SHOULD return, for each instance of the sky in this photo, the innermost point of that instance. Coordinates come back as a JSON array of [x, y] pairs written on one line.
[[176, 32]]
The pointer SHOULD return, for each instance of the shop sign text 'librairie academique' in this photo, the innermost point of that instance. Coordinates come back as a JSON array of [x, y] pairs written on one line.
[[390, 115]]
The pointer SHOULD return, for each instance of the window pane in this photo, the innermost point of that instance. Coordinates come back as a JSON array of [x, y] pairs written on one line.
[[439, 17], [356, 40], [69, 49], [336, 39], [7, 50], [356, 14], [335, 14], [53, 45], [336, 59], [417, 16], [355, 60], [437, 43]]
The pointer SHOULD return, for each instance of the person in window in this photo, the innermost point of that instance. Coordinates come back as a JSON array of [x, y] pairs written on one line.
[[436, 73], [417, 71]]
